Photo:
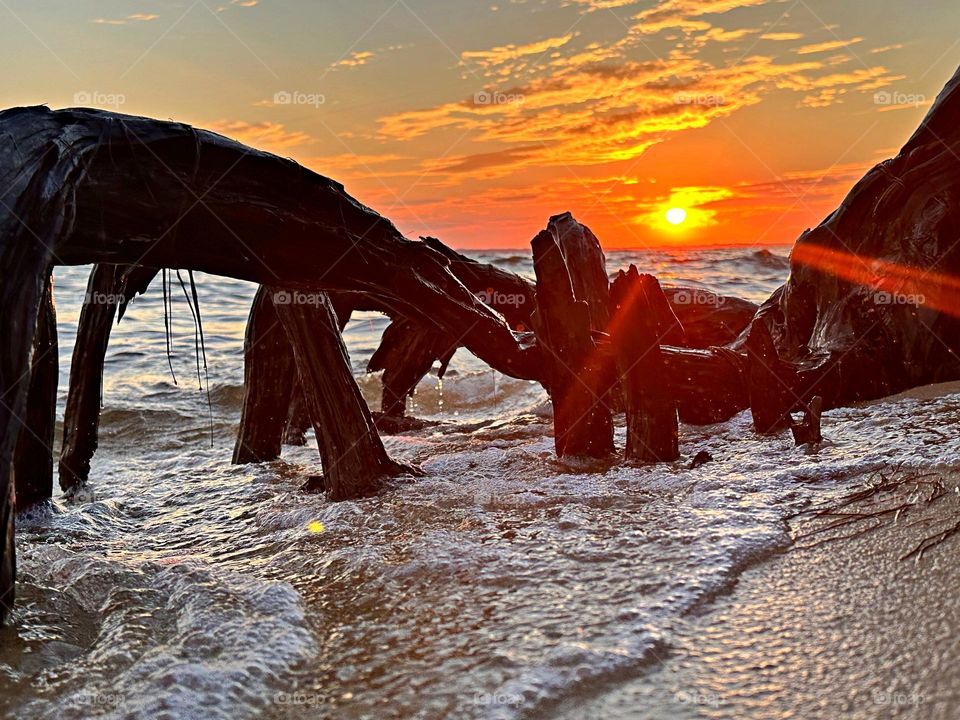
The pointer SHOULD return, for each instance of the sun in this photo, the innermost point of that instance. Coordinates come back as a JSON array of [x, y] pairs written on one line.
[[676, 216]]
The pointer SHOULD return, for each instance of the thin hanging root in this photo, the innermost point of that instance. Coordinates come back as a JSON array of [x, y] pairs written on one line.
[[167, 305], [203, 348], [196, 331], [193, 302]]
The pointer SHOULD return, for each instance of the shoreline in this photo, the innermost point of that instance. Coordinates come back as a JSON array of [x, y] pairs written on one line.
[[844, 628]]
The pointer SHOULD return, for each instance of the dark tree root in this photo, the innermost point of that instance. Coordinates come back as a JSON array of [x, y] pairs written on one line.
[[354, 459], [33, 462], [565, 257]]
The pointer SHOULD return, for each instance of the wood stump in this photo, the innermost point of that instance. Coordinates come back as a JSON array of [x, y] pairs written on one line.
[[642, 318], [576, 375], [269, 378]]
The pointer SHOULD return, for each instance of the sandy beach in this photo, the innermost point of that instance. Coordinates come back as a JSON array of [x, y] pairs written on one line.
[[843, 629]]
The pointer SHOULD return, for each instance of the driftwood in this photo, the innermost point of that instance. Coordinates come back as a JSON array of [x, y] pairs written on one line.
[[870, 307], [109, 290], [87, 186], [708, 319], [354, 459], [269, 380], [576, 375], [641, 319], [406, 354], [33, 463]]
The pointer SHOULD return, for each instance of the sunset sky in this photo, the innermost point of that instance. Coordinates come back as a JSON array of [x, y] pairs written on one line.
[[475, 121]]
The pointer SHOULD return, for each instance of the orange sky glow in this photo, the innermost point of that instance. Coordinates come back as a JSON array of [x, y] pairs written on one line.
[[474, 122]]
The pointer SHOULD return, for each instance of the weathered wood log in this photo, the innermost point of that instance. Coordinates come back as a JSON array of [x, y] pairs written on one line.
[[575, 373], [87, 186], [406, 354], [298, 418], [33, 462], [509, 294], [353, 457], [82, 413], [269, 379], [870, 307], [641, 319], [708, 319]]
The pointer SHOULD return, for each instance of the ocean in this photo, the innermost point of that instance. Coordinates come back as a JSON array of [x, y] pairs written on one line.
[[503, 584]]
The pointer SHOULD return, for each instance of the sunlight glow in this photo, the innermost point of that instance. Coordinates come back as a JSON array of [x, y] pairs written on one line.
[[676, 216]]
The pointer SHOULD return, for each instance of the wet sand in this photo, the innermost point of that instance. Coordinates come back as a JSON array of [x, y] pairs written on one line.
[[844, 629]]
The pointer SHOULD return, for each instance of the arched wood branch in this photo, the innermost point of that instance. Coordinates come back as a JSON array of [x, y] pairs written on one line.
[[87, 186]]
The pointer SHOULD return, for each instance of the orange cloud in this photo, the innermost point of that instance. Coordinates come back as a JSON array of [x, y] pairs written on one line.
[[827, 46], [136, 17], [269, 136]]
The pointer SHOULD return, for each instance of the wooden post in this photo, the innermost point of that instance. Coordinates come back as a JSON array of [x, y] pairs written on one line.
[[33, 462], [269, 378], [641, 318], [573, 370], [771, 382], [354, 459]]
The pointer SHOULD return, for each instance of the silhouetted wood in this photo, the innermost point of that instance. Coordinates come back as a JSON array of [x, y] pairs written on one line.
[[870, 307], [82, 414], [131, 190], [509, 294], [354, 459], [807, 431], [710, 385], [772, 383], [641, 319], [406, 354], [575, 374], [269, 378], [33, 463], [110, 289], [708, 319], [298, 418]]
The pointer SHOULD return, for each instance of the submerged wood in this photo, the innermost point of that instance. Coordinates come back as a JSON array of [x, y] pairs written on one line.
[[575, 373], [269, 379], [406, 354], [641, 319], [33, 464], [109, 291], [354, 459]]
